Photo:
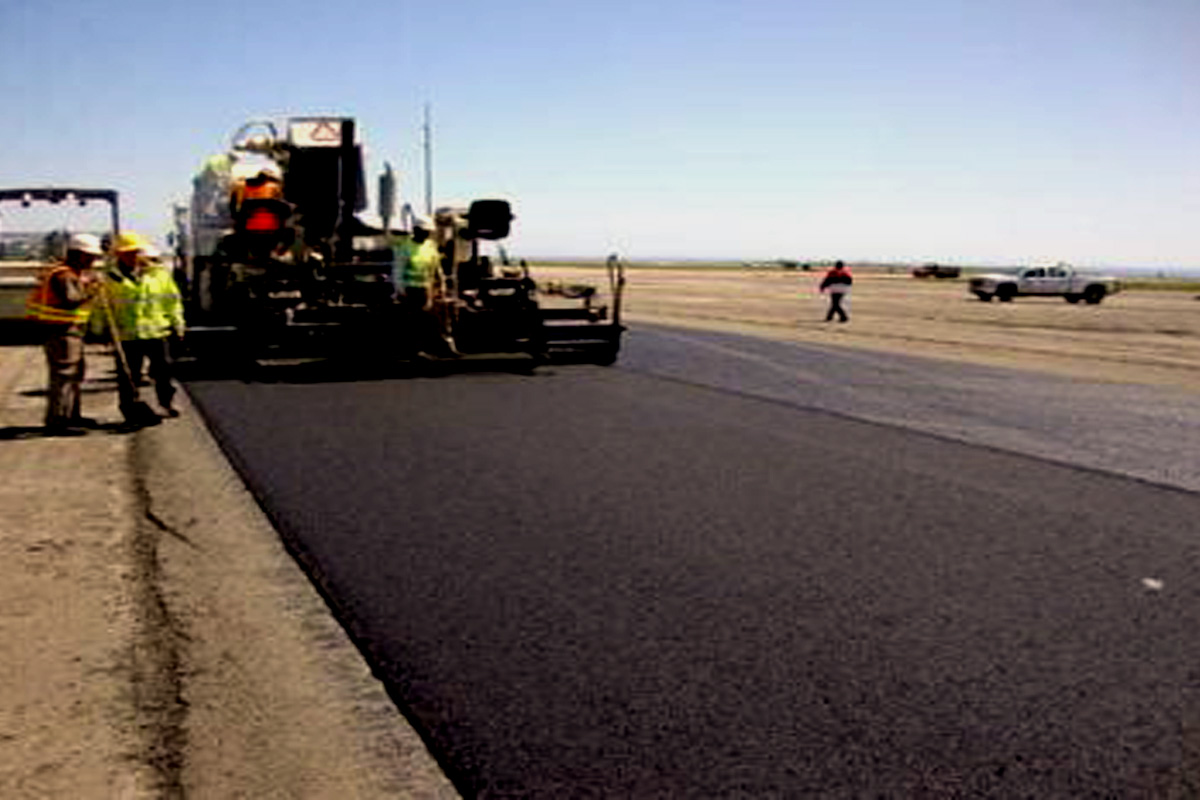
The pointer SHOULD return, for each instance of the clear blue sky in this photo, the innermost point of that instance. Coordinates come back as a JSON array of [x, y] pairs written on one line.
[[953, 131]]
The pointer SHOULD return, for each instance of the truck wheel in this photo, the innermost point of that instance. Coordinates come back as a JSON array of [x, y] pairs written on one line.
[[1006, 293], [984, 296], [1073, 298], [1092, 295]]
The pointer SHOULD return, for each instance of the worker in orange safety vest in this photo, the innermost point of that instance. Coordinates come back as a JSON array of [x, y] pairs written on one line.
[[60, 303], [259, 217]]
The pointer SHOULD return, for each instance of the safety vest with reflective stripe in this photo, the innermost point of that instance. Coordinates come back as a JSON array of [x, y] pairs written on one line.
[[146, 307], [47, 303], [269, 189]]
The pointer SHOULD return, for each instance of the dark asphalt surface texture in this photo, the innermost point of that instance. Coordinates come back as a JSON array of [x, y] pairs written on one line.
[[699, 574]]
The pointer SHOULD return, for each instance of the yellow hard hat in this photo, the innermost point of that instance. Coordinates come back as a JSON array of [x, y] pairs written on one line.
[[129, 241]]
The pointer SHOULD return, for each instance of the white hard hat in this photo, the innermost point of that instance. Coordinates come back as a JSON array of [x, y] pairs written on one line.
[[250, 170], [422, 221], [85, 243]]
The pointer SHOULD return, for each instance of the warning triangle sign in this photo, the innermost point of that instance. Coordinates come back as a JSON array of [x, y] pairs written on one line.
[[326, 131], [316, 132]]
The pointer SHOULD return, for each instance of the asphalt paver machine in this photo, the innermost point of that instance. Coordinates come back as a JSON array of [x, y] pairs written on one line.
[[276, 261], [485, 301]]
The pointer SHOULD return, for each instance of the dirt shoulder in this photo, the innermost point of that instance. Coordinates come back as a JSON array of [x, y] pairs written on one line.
[[72, 721], [278, 701], [157, 640], [1132, 337]]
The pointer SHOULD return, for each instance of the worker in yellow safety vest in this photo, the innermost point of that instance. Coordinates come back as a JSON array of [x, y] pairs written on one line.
[[414, 273], [147, 311], [60, 303], [416, 260]]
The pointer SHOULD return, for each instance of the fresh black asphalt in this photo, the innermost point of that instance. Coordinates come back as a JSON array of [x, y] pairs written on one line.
[[650, 581]]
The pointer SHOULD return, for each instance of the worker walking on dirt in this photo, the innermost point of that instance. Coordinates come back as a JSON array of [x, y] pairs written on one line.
[[61, 304], [146, 311], [837, 283]]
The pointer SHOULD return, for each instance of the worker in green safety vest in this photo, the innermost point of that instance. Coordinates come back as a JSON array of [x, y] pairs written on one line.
[[415, 265], [147, 311], [414, 272]]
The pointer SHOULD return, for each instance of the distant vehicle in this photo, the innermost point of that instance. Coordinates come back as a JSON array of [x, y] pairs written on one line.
[[936, 271], [1060, 280]]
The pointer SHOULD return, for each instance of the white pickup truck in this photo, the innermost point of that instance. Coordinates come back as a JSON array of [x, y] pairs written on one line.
[[1060, 280]]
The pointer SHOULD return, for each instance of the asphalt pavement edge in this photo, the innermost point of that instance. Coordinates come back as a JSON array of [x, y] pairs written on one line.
[[274, 699]]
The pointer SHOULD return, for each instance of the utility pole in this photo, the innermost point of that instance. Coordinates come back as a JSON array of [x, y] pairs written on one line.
[[428, 166]]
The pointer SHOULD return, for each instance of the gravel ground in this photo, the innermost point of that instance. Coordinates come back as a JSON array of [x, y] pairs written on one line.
[[157, 639], [74, 717]]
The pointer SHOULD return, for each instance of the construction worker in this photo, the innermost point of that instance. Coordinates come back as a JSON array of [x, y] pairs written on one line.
[[415, 265], [416, 259], [266, 184], [146, 311], [260, 212], [61, 305], [837, 283]]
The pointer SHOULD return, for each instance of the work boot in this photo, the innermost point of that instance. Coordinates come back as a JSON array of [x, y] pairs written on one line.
[[139, 415]]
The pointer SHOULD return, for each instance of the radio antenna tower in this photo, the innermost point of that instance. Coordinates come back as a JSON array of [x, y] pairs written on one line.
[[428, 141]]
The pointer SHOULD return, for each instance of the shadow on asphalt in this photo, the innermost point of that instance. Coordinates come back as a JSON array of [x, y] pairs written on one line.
[[355, 371]]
